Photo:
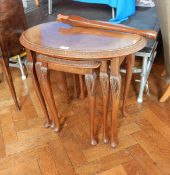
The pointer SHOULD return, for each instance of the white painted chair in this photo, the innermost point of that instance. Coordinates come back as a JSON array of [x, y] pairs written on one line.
[[18, 61], [148, 54], [50, 7]]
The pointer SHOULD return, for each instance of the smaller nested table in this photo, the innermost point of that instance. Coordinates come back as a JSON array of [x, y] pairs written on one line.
[[61, 41]]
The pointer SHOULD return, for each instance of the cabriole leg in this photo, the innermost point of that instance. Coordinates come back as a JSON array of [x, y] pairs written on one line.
[[104, 80], [130, 61], [82, 90], [91, 88], [49, 98], [75, 85], [65, 89], [31, 70], [48, 120], [115, 83]]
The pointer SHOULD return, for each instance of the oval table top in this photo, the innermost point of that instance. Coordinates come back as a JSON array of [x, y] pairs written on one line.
[[63, 41]]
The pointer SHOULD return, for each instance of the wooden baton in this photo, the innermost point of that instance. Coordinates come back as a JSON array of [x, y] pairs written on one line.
[[78, 21]]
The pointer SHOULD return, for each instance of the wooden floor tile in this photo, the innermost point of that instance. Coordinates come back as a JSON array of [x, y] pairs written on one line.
[[47, 163], [20, 125], [30, 112], [100, 165], [2, 145], [160, 157], [119, 170], [74, 152], [102, 150], [26, 168], [133, 168], [62, 161], [143, 159], [160, 126], [8, 129]]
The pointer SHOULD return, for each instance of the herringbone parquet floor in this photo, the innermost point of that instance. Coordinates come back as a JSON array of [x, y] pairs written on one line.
[[27, 148]]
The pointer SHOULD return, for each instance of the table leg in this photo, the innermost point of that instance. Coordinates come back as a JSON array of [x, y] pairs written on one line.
[[75, 85], [31, 70], [143, 78], [7, 73], [91, 88], [130, 61], [44, 74], [65, 89], [82, 90], [104, 80], [115, 83]]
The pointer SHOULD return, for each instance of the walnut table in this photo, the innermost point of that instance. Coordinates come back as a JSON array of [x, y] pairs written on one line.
[[64, 42]]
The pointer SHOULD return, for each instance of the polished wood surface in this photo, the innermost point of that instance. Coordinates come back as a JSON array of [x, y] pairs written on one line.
[[26, 147], [44, 79], [78, 21], [82, 86], [79, 43], [130, 62], [104, 80], [115, 85], [45, 64]]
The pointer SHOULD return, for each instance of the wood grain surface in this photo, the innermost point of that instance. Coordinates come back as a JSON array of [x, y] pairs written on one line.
[[63, 41]]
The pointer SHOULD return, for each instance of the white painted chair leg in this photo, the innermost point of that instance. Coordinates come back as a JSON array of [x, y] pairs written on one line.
[[50, 4], [21, 68], [113, 13], [143, 80], [25, 4]]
